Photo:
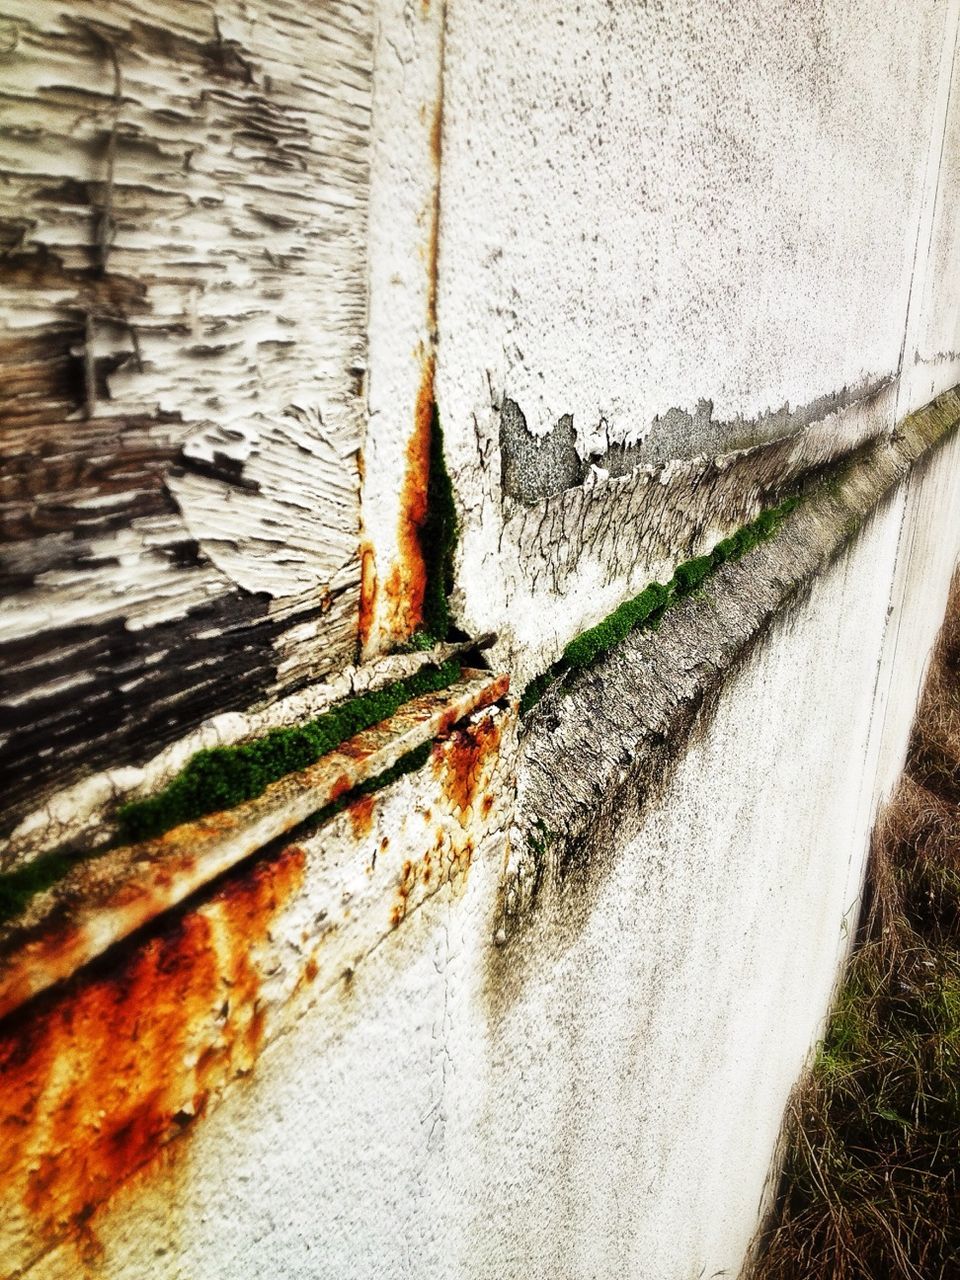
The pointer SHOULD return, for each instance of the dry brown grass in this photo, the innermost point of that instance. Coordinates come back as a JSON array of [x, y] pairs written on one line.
[[870, 1184]]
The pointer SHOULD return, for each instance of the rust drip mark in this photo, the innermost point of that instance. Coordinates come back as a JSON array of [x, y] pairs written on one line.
[[368, 596], [408, 878], [464, 765], [406, 585], [360, 813], [445, 861], [465, 762], [101, 1075]]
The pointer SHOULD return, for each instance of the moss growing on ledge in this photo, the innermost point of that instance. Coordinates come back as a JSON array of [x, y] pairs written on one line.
[[647, 608], [438, 540], [222, 777], [19, 886]]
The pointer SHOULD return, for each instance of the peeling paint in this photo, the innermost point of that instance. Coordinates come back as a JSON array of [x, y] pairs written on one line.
[[184, 302], [535, 467], [603, 749]]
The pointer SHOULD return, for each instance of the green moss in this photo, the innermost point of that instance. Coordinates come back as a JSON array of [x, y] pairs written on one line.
[[691, 573], [19, 886], [222, 777], [646, 609], [592, 644], [438, 538]]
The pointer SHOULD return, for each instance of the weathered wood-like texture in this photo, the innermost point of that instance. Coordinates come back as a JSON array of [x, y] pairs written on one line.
[[182, 305]]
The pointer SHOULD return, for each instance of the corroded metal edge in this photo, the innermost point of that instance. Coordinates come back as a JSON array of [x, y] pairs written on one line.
[[106, 899]]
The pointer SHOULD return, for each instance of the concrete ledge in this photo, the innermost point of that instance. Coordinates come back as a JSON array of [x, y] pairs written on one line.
[[126, 1073], [600, 742], [105, 899]]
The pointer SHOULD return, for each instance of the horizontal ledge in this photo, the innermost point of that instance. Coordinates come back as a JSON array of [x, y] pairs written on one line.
[[105, 899], [594, 749]]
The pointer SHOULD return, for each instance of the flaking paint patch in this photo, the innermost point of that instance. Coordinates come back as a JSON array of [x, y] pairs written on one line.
[[183, 212], [102, 1074]]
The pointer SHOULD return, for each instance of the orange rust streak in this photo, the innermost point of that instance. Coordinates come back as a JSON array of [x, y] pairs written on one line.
[[98, 1076], [406, 584], [462, 760], [361, 816], [340, 788]]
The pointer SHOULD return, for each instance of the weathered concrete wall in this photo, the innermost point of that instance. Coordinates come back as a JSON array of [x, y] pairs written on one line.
[[686, 233], [534, 1009], [392, 1093]]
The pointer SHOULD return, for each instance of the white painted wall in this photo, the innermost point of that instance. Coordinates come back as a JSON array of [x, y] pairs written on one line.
[[646, 206]]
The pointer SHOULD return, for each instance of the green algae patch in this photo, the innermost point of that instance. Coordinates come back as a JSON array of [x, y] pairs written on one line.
[[646, 609], [222, 777], [19, 886]]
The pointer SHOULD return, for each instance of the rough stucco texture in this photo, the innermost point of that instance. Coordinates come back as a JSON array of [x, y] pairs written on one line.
[[643, 208], [936, 354], [683, 176]]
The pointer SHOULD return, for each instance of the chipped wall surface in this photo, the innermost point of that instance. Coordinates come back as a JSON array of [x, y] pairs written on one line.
[[183, 305], [676, 230]]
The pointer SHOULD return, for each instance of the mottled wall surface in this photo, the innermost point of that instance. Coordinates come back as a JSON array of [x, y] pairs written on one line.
[[669, 230], [182, 347], [932, 350], [533, 1010]]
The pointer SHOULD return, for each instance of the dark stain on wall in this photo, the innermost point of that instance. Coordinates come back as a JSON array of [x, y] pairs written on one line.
[[536, 467], [116, 696]]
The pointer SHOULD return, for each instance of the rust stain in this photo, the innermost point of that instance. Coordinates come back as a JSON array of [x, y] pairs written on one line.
[[340, 788], [361, 816], [100, 1075], [464, 766], [406, 583], [405, 586], [368, 595], [464, 760]]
